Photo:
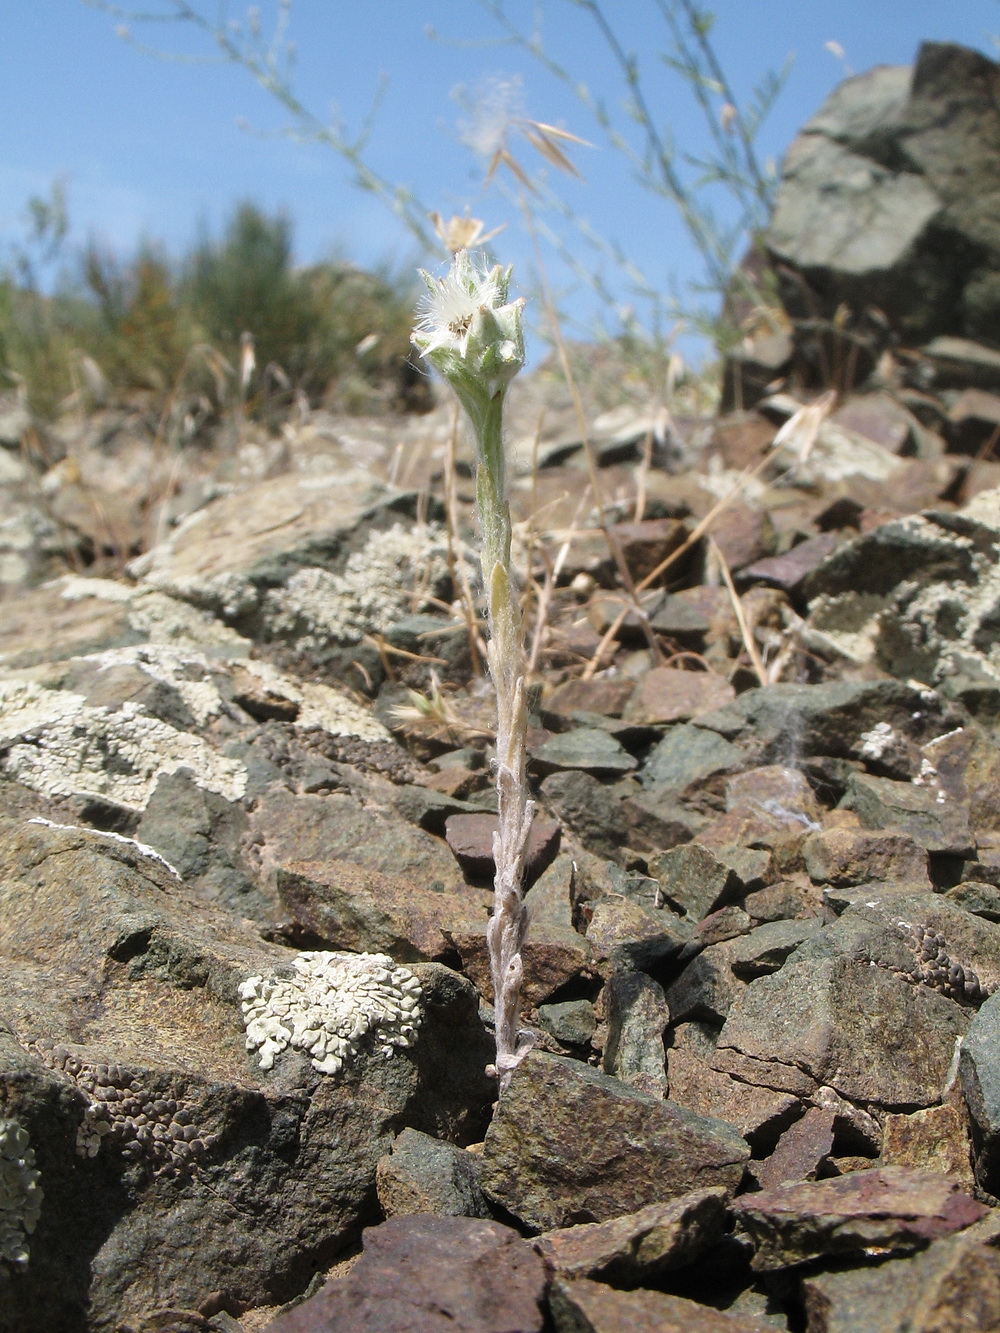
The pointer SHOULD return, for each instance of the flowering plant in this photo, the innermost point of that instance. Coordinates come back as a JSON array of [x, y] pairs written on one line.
[[473, 335]]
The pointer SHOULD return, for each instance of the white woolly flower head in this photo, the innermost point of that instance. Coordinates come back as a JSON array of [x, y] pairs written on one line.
[[469, 330]]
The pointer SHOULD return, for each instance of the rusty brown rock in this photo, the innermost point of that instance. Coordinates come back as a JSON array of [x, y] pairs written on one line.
[[424, 1274], [935, 1139], [628, 1250], [583, 1306], [890, 1207], [668, 694], [349, 907], [800, 1151], [470, 838]]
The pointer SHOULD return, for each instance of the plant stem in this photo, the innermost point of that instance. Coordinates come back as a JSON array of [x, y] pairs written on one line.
[[506, 930]]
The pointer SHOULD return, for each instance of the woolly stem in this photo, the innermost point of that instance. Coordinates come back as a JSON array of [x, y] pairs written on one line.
[[507, 928]]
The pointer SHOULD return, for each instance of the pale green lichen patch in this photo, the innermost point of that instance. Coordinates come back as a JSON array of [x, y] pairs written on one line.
[[392, 575], [20, 1193], [334, 1003]]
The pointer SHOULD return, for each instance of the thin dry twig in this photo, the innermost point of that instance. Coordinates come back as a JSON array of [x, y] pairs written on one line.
[[749, 643]]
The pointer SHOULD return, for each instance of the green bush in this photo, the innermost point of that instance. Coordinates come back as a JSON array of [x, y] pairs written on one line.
[[331, 332]]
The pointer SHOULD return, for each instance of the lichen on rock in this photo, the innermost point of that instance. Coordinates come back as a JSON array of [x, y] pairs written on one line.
[[20, 1192], [60, 746], [333, 1003], [393, 574]]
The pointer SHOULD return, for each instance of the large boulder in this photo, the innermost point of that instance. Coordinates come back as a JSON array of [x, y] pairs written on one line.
[[890, 197]]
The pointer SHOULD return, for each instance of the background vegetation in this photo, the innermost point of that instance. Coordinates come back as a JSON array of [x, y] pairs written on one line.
[[88, 322]]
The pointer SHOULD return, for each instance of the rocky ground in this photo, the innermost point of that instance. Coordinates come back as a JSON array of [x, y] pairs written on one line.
[[245, 747]]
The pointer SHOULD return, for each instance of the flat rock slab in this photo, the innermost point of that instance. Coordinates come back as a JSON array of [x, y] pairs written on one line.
[[426, 1274], [587, 748], [351, 907], [893, 1208], [583, 1306], [569, 1144], [668, 694], [223, 555], [628, 1250]]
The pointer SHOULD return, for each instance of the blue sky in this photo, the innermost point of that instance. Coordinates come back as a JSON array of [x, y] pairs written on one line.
[[153, 148]]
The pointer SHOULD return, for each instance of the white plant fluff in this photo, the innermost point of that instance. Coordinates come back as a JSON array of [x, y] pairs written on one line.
[[333, 1003]]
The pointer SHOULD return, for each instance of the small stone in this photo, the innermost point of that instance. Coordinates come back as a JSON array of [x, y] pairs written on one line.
[[668, 694], [934, 824], [470, 838], [425, 1175], [637, 1016], [572, 1022], [693, 880], [625, 937], [586, 748], [800, 1151], [936, 1139], [607, 696]]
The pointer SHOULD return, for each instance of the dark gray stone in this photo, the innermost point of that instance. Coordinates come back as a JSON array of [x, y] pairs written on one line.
[[637, 1017], [587, 748], [572, 1022], [421, 1174], [694, 881], [687, 755], [980, 1074]]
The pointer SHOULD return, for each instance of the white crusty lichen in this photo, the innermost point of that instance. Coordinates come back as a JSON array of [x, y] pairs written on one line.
[[393, 574], [61, 746], [20, 1193], [332, 1004]]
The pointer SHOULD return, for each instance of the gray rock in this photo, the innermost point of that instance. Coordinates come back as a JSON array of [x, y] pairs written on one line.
[[872, 188], [573, 1022], [812, 1020], [586, 806], [902, 807], [637, 1017], [586, 748], [428, 1275], [626, 937], [421, 1174], [694, 881], [788, 722], [689, 755], [980, 1074], [569, 1144], [707, 987], [954, 1277]]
